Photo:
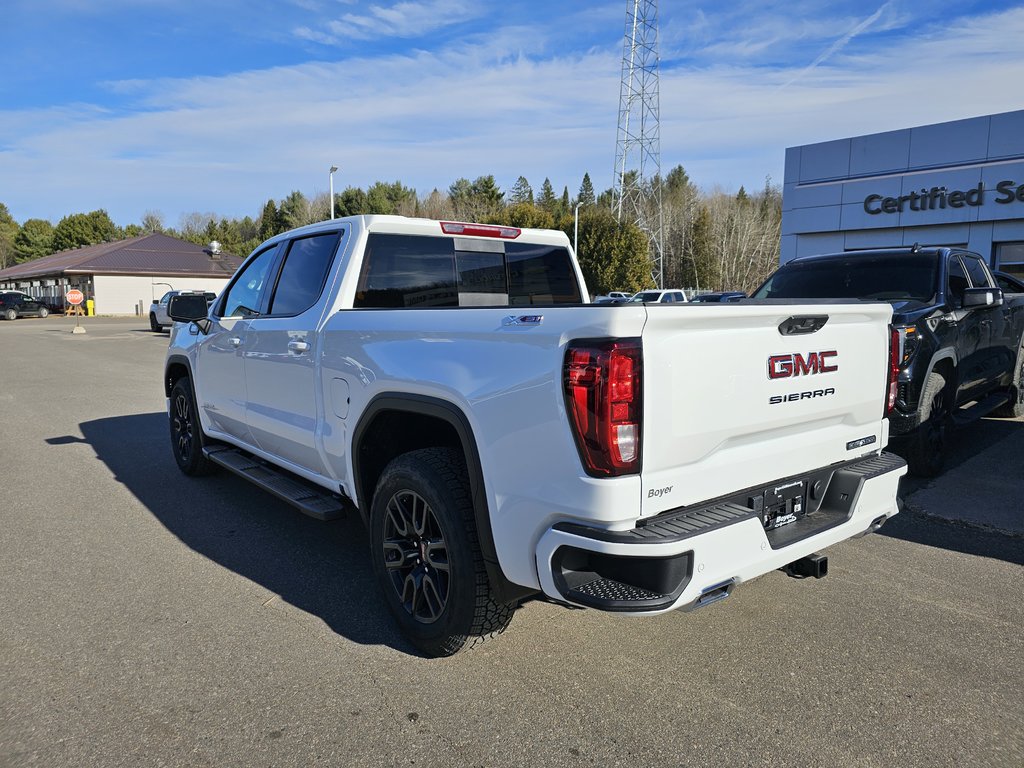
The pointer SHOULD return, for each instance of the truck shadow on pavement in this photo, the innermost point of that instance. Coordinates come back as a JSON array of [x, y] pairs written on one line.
[[987, 442], [322, 569], [942, 534]]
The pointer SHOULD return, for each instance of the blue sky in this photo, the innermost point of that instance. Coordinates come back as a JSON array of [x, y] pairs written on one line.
[[179, 106]]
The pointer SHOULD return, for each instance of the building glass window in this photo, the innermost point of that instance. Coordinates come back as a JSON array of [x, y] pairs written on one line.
[[1010, 258]]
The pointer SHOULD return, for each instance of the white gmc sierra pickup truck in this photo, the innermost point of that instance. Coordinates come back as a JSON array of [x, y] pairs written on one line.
[[501, 437]]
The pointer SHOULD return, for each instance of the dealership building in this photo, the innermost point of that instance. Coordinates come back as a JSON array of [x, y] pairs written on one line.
[[123, 277], [959, 184]]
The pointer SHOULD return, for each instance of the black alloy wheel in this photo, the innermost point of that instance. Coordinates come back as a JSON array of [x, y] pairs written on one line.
[[426, 555], [927, 453], [416, 556], [187, 438]]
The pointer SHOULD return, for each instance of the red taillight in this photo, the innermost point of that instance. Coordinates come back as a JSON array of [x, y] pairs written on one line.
[[895, 358], [604, 398], [480, 230]]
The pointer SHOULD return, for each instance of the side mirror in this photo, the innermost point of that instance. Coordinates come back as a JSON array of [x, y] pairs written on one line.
[[187, 308], [982, 297]]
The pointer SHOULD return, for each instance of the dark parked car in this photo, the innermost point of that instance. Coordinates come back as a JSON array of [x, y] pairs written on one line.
[[719, 296], [961, 340], [14, 305], [1009, 283]]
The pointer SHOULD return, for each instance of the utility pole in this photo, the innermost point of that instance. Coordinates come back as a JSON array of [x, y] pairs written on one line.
[[637, 190]]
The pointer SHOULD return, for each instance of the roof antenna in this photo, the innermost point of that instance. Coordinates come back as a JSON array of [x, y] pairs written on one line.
[[915, 248]]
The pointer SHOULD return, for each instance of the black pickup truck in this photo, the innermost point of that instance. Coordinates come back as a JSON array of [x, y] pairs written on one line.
[[961, 337]]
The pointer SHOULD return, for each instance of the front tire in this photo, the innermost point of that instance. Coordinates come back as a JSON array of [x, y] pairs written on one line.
[[926, 456], [426, 555], [187, 438], [154, 326]]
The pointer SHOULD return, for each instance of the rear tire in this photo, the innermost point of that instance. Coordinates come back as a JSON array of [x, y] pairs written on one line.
[[926, 455], [187, 438], [10, 314], [426, 555], [43, 312], [1014, 407]]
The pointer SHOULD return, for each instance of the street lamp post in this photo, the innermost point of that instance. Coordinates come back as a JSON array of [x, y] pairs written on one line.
[[331, 177]]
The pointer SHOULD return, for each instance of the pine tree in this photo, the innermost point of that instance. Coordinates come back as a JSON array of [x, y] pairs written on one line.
[[586, 194], [547, 196], [268, 221], [521, 192]]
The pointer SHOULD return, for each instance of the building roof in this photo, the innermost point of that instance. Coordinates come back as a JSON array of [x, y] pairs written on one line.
[[153, 254]]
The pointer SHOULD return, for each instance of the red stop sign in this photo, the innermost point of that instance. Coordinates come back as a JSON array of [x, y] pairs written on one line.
[[74, 296]]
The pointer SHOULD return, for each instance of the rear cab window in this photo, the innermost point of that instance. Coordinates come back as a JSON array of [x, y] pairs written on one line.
[[910, 277], [418, 271]]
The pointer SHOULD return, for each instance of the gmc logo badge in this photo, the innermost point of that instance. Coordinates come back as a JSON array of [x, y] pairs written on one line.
[[788, 366]]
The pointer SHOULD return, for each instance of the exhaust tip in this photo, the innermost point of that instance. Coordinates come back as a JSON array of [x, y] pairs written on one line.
[[715, 593]]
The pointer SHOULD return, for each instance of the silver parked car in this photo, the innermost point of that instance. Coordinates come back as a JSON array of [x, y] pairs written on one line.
[[158, 319]]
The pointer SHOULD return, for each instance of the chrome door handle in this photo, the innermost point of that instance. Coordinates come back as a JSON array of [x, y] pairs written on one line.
[[235, 341], [297, 346]]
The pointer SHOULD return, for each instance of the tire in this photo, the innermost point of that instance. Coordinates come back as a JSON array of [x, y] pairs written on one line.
[[926, 455], [1014, 407], [426, 556], [43, 312], [187, 438], [154, 326], [10, 314]]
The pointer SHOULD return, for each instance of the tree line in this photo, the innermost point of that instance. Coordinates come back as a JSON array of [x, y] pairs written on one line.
[[711, 241]]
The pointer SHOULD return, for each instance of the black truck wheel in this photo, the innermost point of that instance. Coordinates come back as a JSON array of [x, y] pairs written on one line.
[[154, 326], [187, 439], [1014, 407], [426, 555], [926, 454]]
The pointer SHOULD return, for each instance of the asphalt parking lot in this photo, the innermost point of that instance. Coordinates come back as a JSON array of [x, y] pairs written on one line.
[[153, 619]]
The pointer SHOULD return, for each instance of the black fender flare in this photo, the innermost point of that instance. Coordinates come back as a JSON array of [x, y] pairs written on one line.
[[451, 414], [176, 359]]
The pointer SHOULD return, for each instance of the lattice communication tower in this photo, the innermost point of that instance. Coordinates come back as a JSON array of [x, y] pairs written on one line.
[[637, 190]]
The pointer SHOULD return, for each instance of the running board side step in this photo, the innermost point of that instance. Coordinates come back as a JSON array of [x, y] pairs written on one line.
[[971, 413], [308, 498]]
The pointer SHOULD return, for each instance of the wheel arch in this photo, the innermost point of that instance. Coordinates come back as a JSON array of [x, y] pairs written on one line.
[[177, 367], [944, 362], [394, 423]]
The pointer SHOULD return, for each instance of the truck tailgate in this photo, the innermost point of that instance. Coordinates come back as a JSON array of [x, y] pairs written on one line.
[[740, 395]]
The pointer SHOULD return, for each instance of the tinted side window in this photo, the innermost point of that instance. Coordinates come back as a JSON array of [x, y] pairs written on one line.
[[407, 271], [957, 283], [976, 270], [540, 274], [304, 273], [243, 297]]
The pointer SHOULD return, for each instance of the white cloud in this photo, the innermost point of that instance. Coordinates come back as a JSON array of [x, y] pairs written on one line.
[[406, 19], [839, 44]]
